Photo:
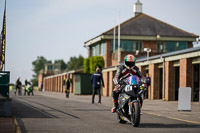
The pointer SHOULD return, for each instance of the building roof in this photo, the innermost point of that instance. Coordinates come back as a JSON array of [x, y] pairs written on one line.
[[145, 26], [175, 53]]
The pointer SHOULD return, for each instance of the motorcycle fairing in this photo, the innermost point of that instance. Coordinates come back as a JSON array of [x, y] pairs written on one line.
[[123, 99], [132, 91]]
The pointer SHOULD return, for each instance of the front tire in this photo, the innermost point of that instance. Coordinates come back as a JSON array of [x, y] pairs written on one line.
[[135, 116]]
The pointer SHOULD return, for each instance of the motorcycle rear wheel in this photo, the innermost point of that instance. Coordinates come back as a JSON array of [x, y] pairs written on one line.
[[135, 116]]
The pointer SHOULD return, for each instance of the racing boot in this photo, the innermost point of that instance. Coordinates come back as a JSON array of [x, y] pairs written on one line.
[[114, 109]]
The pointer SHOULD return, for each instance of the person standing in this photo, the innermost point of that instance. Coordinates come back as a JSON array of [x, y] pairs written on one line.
[[41, 86], [148, 83], [96, 80], [18, 86], [67, 83]]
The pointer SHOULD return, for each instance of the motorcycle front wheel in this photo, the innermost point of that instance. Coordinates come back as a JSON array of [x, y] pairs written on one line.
[[135, 116]]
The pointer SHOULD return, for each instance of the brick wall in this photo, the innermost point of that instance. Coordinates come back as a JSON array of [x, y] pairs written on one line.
[[168, 80], [111, 84], [111, 61], [154, 74], [114, 62], [199, 83], [89, 52], [186, 73], [190, 45], [56, 84], [152, 45], [142, 70], [108, 57], [40, 79], [106, 83]]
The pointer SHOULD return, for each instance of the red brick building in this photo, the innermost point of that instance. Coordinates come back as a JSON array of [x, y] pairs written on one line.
[[169, 72], [137, 33], [173, 63]]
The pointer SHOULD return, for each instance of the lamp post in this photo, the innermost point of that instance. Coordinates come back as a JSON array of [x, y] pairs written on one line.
[[119, 54], [148, 50], [136, 52], [197, 39]]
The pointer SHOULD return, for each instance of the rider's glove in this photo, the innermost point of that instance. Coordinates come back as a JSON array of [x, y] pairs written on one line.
[[141, 88]]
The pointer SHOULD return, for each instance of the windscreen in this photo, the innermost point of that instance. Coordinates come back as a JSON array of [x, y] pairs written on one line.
[[133, 80]]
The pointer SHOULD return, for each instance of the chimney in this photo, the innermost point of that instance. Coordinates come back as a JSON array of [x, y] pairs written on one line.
[[137, 8]]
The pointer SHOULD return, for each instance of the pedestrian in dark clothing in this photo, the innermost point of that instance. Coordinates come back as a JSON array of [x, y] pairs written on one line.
[[148, 83], [96, 80], [18, 86], [67, 82], [41, 86]]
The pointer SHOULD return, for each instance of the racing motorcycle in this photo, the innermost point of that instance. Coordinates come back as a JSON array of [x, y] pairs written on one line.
[[28, 90], [130, 100]]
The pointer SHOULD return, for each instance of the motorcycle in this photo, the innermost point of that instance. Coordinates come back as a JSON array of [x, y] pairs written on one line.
[[130, 100], [28, 90]]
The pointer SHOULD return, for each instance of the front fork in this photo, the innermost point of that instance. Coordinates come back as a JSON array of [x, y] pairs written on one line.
[[131, 108]]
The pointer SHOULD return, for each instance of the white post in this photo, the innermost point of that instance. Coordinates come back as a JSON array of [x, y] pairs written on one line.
[[119, 41], [114, 39], [148, 50]]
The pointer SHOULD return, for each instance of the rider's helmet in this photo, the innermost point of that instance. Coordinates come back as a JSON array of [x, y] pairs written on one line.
[[129, 61]]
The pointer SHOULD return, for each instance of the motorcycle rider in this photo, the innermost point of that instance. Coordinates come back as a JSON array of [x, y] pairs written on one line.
[[18, 86], [67, 82], [124, 71], [26, 85]]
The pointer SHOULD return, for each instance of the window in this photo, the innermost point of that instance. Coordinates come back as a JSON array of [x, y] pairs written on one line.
[[116, 45], [160, 47], [127, 45], [138, 46], [49, 67], [93, 51], [171, 46], [103, 48], [97, 50]]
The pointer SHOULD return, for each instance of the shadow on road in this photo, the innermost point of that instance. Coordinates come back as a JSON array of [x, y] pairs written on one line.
[[159, 125], [53, 109], [25, 110], [89, 110]]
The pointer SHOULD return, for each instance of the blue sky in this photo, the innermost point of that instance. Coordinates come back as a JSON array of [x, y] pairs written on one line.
[[57, 29]]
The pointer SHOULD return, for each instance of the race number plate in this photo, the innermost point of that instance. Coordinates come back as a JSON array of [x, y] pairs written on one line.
[[128, 88]]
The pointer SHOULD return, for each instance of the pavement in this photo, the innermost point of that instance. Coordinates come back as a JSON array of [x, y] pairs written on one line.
[[166, 109], [7, 123]]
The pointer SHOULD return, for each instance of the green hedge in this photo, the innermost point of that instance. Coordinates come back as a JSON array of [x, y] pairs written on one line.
[[86, 65], [90, 64]]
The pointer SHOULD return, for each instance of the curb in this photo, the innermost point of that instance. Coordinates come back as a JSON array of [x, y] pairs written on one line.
[[17, 127]]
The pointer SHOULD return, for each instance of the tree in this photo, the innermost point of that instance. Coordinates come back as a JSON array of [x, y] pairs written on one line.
[[63, 65], [38, 65], [86, 65], [90, 64], [75, 63]]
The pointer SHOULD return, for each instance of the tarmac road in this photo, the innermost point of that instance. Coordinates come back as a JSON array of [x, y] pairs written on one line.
[[55, 113]]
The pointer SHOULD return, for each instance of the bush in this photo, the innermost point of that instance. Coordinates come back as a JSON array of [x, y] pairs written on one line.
[[90, 64], [86, 65]]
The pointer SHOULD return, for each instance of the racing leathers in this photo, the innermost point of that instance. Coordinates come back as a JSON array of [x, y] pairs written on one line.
[[122, 73]]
